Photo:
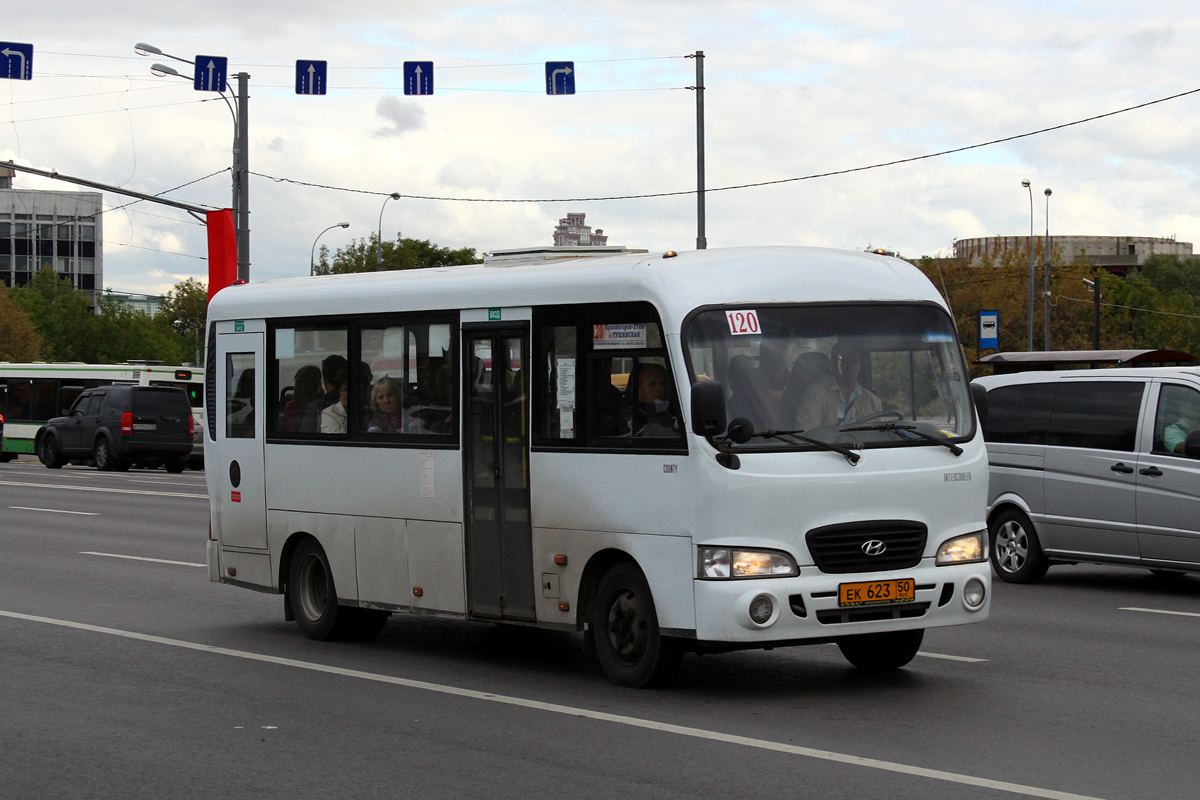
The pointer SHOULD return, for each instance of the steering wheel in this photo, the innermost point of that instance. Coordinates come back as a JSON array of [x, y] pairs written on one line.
[[887, 412]]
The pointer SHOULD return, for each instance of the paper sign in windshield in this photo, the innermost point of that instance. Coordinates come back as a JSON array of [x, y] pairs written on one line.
[[622, 336], [743, 322]]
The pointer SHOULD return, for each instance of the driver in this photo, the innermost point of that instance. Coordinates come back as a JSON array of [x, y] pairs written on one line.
[[855, 401], [1189, 420]]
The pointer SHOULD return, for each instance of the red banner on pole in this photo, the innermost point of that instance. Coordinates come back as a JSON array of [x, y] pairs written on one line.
[[222, 250]]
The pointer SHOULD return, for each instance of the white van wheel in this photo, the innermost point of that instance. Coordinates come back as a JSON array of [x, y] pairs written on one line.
[[1016, 554]]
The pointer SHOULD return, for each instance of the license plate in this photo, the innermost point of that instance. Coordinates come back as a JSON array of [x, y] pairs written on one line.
[[145, 426], [874, 593]]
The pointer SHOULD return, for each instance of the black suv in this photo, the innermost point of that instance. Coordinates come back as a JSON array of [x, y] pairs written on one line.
[[118, 426]]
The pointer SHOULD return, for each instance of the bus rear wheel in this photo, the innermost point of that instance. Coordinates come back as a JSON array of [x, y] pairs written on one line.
[[312, 595], [624, 622], [881, 651]]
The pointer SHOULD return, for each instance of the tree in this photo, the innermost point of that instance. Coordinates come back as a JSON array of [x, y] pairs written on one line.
[[185, 310], [360, 256], [19, 339], [60, 313], [124, 333]]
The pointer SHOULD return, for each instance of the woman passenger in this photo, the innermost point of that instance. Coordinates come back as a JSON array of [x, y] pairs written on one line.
[[387, 415]]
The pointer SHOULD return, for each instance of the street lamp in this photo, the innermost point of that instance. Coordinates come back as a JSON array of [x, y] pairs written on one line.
[[1094, 285], [379, 243], [1046, 276], [241, 159], [1029, 337], [312, 266]]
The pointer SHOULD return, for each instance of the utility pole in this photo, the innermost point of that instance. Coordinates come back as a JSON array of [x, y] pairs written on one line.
[[241, 177], [701, 240], [1046, 278], [1096, 314]]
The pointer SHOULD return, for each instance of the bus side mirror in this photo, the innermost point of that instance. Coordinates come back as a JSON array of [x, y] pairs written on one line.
[[979, 394], [1191, 445], [708, 408]]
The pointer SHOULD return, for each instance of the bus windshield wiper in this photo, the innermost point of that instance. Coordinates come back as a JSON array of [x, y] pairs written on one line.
[[913, 429], [850, 455]]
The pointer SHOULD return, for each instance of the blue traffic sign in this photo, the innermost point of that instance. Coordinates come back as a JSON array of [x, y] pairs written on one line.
[[210, 73], [560, 77], [989, 330], [310, 77], [16, 61], [418, 77]]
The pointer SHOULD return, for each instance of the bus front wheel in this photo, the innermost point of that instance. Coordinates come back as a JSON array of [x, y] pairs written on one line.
[[881, 651], [313, 598], [624, 623]]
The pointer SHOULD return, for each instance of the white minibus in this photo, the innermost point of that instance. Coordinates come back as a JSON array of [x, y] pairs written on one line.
[[693, 452]]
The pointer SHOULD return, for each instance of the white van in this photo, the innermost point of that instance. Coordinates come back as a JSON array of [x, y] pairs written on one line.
[[1093, 466]]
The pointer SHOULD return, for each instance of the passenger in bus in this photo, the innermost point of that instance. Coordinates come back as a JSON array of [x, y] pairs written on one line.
[[333, 418], [809, 400], [433, 415], [387, 414], [334, 371], [307, 387], [651, 415]]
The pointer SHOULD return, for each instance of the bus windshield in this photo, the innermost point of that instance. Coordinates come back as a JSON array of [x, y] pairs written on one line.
[[866, 374]]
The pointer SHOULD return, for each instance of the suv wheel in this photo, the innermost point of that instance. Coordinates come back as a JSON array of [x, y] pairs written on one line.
[[49, 454], [106, 460]]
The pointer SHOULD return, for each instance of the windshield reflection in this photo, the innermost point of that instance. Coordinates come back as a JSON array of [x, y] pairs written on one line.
[[851, 374]]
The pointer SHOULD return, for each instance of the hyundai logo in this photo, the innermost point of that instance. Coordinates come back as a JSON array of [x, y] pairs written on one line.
[[873, 547]]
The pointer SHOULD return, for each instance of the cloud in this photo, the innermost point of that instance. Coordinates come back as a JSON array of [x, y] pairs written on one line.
[[403, 116], [470, 172]]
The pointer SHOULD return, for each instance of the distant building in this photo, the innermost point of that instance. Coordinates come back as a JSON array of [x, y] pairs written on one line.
[[1116, 253], [62, 230], [573, 232], [148, 304]]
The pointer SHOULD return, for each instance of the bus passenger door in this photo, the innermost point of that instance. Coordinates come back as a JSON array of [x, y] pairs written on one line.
[[241, 412], [496, 474]]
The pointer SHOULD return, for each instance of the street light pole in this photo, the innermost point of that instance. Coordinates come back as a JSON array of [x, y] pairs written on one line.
[[241, 155], [1029, 336], [1046, 276], [312, 265], [379, 242]]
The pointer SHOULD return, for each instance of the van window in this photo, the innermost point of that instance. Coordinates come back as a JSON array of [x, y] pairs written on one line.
[[1178, 414], [1101, 415], [1019, 414]]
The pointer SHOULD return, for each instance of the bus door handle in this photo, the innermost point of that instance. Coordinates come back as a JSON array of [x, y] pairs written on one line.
[[498, 470], [1153, 472], [1120, 467]]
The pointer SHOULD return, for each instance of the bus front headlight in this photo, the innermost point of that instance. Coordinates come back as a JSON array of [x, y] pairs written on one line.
[[962, 549], [727, 562]]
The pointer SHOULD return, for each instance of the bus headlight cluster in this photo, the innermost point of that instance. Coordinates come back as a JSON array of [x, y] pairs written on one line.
[[962, 549], [727, 562]]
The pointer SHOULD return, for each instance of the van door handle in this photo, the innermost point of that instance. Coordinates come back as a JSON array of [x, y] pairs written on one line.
[[1120, 467], [1151, 471]]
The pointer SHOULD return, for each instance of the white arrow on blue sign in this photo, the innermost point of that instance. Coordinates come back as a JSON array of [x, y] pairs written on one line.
[[210, 73], [17, 62], [418, 77], [560, 77], [310, 76]]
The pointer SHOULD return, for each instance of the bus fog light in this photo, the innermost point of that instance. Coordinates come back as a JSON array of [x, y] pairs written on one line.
[[974, 593], [761, 609]]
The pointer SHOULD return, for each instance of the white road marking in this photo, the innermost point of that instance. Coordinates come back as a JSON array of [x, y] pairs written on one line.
[[142, 558], [952, 658], [1161, 611], [101, 489], [56, 511], [586, 713], [164, 483]]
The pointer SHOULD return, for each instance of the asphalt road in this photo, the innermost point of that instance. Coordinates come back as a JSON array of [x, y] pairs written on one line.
[[125, 673]]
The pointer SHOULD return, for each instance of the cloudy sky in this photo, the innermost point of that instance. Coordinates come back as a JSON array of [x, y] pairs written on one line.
[[794, 89]]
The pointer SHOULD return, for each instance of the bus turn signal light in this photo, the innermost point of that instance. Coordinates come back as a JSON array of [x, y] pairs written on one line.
[[564, 606], [560, 560], [418, 591]]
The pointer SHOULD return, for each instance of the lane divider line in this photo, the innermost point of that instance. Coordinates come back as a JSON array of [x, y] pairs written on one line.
[[142, 558], [56, 511], [1162, 611], [101, 489], [585, 713], [967, 659]]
